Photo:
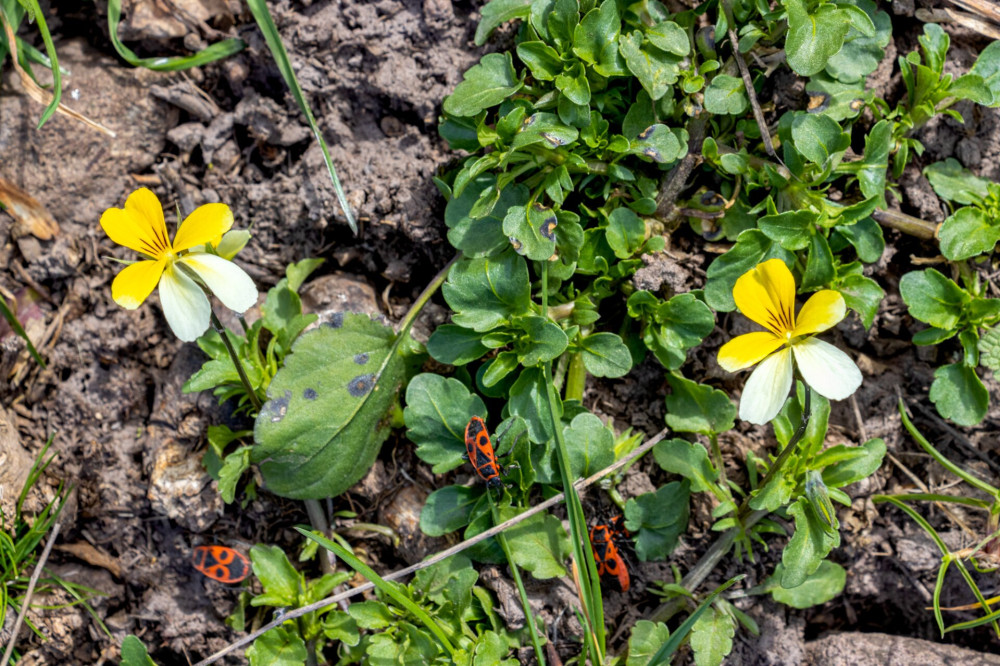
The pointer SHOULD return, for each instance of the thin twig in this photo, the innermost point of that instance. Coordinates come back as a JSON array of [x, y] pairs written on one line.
[[445, 554], [675, 181], [31, 589]]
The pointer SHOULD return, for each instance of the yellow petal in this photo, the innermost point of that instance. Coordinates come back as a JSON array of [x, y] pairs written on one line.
[[749, 349], [766, 295], [139, 226], [136, 282], [205, 225], [823, 310]]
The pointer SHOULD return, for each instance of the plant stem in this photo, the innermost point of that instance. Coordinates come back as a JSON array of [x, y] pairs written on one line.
[[522, 593], [779, 462], [317, 518], [576, 378], [913, 226], [221, 330], [720, 464], [425, 295]]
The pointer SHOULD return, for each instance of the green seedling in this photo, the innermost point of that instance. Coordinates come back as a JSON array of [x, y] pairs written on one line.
[[21, 542]]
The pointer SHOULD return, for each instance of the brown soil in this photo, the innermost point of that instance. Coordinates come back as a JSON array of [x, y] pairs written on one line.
[[376, 71]]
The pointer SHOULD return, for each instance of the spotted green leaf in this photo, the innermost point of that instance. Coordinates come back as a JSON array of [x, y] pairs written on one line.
[[326, 416]]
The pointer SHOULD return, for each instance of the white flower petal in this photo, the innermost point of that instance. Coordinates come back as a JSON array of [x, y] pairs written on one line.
[[184, 304], [226, 280], [767, 388], [826, 369]]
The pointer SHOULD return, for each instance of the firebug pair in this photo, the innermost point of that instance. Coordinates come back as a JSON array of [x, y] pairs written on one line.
[[479, 451], [607, 540]]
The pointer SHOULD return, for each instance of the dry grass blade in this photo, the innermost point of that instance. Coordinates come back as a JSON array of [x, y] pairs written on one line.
[[969, 21], [29, 214], [43, 97], [987, 9]]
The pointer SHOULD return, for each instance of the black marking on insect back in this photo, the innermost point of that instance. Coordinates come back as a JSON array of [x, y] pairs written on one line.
[[361, 358], [361, 385], [646, 133], [548, 228], [336, 320], [474, 428], [309, 394], [278, 407], [483, 459]]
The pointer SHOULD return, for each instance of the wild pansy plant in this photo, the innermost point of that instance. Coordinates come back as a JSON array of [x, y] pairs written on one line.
[[184, 268], [766, 295]]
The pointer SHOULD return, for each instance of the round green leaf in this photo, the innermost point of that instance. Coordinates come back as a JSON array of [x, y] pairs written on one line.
[[967, 233], [437, 411], [959, 394], [487, 84], [605, 355]]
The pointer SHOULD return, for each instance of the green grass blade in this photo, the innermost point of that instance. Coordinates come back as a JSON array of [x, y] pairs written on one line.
[[516, 575], [217, 51], [935, 497], [944, 462], [15, 325], [266, 24], [389, 589], [667, 650], [50, 50]]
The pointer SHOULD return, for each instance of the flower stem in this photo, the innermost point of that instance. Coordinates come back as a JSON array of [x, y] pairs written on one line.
[[779, 462], [221, 330]]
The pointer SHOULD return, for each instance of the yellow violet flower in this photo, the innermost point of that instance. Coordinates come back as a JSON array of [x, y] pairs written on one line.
[[178, 267], [766, 295]]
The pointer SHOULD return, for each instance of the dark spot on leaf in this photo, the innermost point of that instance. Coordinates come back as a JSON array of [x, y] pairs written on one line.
[[646, 133], [361, 385], [516, 244], [336, 320], [309, 394], [529, 121], [857, 104], [278, 407], [552, 139], [548, 228], [818, 102], [652, 153], [361, 358]]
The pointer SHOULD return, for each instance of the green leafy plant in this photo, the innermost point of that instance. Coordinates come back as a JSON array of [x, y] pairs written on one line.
[[956, 311]]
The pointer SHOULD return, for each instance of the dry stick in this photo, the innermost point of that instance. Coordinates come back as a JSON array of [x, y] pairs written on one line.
[[677, 179], [758, 114], [445, 554], [31, 588]]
